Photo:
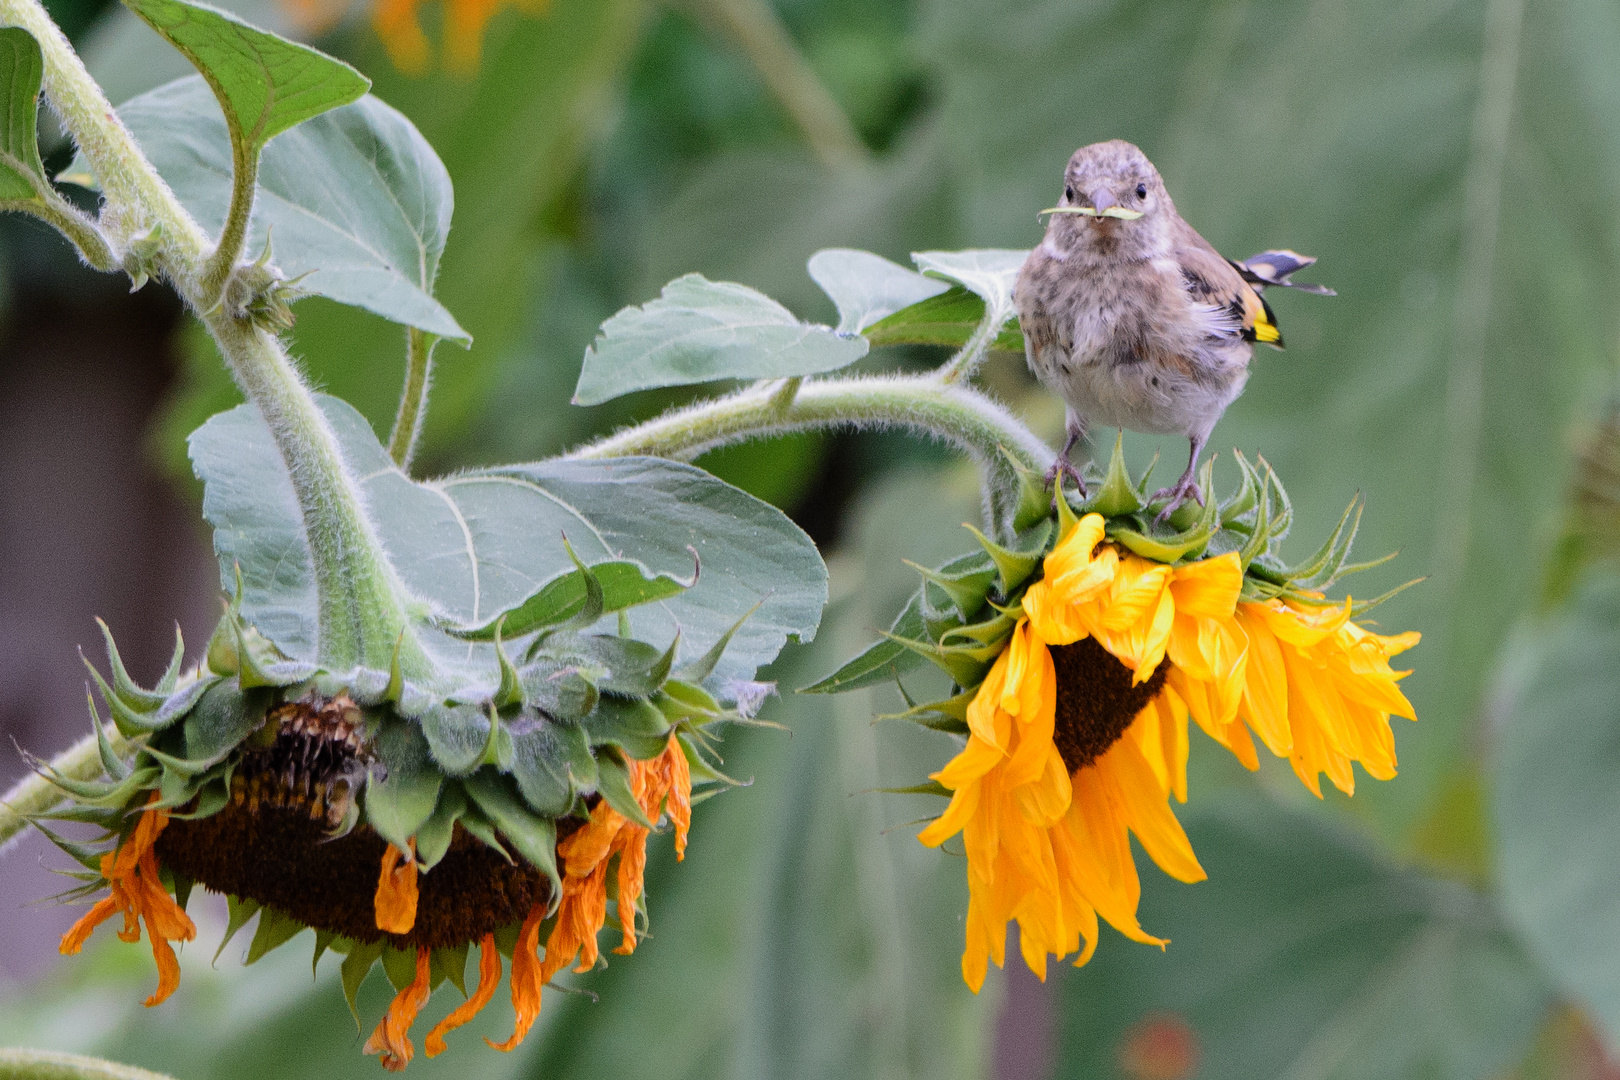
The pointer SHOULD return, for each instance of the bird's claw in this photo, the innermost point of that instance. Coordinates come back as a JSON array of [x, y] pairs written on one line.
[[1185, 488], [1054, 477]]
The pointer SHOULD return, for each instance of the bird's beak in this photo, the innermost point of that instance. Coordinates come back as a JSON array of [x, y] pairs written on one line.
[[1102, 200]]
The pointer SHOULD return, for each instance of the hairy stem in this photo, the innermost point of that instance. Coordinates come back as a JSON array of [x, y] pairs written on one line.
[[66, 219], [923, 404], [960, 368], [361, 615], [413, 397], [34, 794], [758, 31], [232, 238], [362, 612], [17, 1063]]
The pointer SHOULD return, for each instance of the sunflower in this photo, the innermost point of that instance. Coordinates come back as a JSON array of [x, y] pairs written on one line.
[[406, 822], [1077, 685]]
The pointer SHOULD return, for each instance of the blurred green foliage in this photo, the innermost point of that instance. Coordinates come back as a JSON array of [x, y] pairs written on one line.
[[1455, 164]]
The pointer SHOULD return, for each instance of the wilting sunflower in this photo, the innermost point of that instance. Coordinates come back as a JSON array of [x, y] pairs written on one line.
[[403, 823], [1077, 669]]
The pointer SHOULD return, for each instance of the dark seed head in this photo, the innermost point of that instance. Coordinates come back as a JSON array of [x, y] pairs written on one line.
[[273, 842], [1095, 700]]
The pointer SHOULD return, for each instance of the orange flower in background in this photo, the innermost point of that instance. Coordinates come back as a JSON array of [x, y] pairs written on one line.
[[399, 24], [1078, 733]]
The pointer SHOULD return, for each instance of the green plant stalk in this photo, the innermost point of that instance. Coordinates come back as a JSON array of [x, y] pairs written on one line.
[[34, 794], [233, 237], [18, 1063], [960, 368], [362, 610], [956, 414], [66, 219], [413, 397]]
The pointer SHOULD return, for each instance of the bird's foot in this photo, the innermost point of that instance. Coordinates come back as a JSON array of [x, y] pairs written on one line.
[[1061, 468], [1184, 489]]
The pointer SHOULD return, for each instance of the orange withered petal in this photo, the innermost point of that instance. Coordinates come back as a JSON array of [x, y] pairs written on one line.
[[168, 968], [80, 932], [489, 979], [396, 891], [392, 1037], [526, 979], [632, 848]]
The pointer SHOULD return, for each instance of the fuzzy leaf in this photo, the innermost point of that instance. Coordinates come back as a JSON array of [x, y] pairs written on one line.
[[356, 203], [868, 288], [403, 801], [700, 330], [947, 319], [482, 542], [265, 84], [222, 718], [434, 836], [21, 174], [988, 273], [1557, 809], [356, 966], [635, 725], [534, 837]]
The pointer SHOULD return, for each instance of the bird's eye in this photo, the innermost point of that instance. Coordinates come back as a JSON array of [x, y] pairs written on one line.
[[1068, 193], [1141, 191]]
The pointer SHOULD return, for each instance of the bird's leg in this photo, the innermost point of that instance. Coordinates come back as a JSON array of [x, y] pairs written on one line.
[[1184, 487], [1063, 466]]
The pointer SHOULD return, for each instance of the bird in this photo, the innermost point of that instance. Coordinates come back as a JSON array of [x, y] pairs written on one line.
[[1134, 319]]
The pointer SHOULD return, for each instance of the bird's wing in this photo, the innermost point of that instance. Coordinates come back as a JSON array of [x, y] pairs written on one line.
[[1274, 267], [1211, 281]]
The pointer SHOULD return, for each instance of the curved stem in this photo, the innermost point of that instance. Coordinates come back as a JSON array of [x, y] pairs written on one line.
[[956, 414], [362, 611], [960, 368], [233, 237], [413, 397], [66, 219], [18, 1063]]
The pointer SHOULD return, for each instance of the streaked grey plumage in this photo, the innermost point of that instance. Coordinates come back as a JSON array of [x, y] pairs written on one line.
[[1139, 323]]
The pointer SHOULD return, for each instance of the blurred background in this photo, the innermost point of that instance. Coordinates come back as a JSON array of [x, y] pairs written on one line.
[[1456, 166]]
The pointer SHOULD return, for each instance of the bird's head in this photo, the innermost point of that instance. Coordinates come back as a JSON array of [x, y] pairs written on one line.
[[1111, 193]]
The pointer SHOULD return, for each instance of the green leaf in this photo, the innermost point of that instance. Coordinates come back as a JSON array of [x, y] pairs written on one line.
[[988, 273], [540, 766], [1556, 801], [265, 84], [534, 837], [1305, 955], [403, 801], [274, 931], [700, 330], [356, 966], [614, 784], [222, 718], [624, 584], [884, 660], [22, 177], [355, 203], [868, 288], [433, 838], [481, 542], [947, 319], [238, 911], [635, 725], [456, 735]]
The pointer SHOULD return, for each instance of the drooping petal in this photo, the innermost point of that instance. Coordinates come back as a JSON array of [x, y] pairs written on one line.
[[391, 1038], [489, 980], [396, 898]]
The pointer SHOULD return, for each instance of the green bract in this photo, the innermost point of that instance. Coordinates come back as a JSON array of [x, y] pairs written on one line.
[[961, 617]]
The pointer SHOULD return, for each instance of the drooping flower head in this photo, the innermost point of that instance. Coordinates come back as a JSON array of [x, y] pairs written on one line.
[[1078, 666], [405, 826]]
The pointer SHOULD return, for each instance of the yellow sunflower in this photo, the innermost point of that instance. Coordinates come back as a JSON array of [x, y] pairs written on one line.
[[1077, 735]]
